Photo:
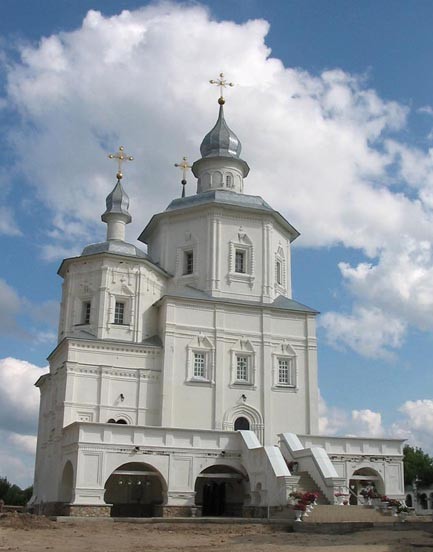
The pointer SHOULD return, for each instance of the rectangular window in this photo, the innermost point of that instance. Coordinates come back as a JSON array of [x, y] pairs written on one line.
[[286, 374], [188, 262], [240, 261], [119, 313], [279, 273], [199, 365], [86, 312], [242, 368]]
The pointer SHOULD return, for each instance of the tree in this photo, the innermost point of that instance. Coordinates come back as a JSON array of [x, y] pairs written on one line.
[[14, 495], [417, 464]]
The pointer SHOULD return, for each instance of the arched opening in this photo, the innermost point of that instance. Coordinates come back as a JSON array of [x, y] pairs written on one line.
[[409, 503], [242, 423], [111, 421], [362, 480], [431, 501], [423, 502], [220, 491], [134, 490], [121, 421], [67, 483]]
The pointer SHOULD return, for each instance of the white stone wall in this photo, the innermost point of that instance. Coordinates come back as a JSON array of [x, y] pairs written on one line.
[[213, 234], [102, 280], [222, 330]]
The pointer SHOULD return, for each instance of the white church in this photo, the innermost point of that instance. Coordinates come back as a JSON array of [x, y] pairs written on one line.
[[184, 381]]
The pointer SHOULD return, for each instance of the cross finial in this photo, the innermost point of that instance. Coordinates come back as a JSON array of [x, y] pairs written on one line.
[[184, 166], [121, 156], [222, 83]]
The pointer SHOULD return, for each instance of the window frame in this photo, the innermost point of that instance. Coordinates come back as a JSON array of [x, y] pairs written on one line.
[[240, 254], [200, 345], [86, 312], [243, 349], [289, 356], [196, 355], [116, 316], [188, 262]]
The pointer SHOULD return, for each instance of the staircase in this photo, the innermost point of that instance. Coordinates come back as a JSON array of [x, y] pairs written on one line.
[[307, 484], [340, 514]]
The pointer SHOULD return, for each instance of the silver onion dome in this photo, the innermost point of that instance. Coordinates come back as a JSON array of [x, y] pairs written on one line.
[[220, 141], [117, 202]]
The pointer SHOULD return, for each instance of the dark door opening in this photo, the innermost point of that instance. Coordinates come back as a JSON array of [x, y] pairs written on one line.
[[214, 499], [242, 423]]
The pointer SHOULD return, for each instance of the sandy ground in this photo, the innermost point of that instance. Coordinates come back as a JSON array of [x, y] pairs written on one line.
[[30, 535]]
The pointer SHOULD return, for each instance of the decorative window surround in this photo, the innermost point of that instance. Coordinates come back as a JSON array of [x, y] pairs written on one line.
[[182, 262], [115, 311], [247, 411], [243, 368], [280, 277], [285, 369], [243, 245], [200, 357]]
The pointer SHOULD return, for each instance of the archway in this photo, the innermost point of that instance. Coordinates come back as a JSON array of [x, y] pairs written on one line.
[[241, 423], [220, 491], [134, 489], [408, 501], [423, 501], [364, 479], [67, 483]]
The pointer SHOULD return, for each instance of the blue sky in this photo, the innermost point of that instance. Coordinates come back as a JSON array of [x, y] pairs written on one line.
[[333, 108]]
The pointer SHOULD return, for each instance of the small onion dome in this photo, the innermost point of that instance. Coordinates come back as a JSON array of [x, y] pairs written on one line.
[[220, 141], [117, 202]]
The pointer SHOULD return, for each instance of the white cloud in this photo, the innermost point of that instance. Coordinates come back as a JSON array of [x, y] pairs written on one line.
[[8, 225], [368, 331], [17, 457], [289, 118], [359, 423], [10, 306], [140, 78], [19, 398]]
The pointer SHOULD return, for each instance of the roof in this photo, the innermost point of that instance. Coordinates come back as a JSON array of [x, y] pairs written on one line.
[[220, 197], [280, 303], [115, 248]]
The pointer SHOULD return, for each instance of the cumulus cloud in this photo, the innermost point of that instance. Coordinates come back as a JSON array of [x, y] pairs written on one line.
[[8, 225], [17, 457], [414, 423], [364, 188], [368, 331], [358, 423], [19, 399]]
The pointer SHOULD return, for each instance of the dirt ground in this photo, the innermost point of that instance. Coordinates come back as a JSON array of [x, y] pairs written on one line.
[[29, 534]]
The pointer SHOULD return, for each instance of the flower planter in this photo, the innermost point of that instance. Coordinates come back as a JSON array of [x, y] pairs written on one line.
[[298, 515]]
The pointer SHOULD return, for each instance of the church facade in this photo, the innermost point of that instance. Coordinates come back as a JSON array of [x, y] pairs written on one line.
[[184, 381]]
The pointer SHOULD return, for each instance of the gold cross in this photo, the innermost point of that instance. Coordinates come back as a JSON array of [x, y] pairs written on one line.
[[184, 166], [121, 157], [222, 83]]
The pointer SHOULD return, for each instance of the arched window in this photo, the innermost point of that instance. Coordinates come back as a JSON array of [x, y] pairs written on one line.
[[242, 423], [229, 180], [111, 421], [121, 421], [409, 501], [423, 501]]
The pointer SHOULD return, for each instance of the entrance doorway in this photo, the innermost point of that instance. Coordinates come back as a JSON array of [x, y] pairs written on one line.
[[364, 479], [242, 423], [134, 490], [220, 491]]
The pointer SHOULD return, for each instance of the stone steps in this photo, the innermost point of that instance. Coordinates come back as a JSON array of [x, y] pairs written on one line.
[[335, 514], [307, 484]]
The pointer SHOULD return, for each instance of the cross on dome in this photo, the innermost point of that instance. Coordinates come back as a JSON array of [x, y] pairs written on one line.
[[121, 156], [221, 83], [184, 166]]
